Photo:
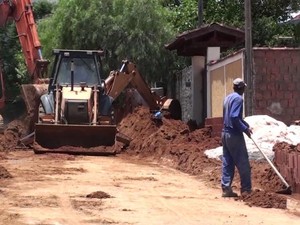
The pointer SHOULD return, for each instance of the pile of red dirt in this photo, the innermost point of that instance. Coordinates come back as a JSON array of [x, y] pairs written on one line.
[[172, 143], [4, 174], [265, 200], [13, 132]]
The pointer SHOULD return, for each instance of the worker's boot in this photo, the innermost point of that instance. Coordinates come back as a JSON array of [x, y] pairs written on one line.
[[228, 193]]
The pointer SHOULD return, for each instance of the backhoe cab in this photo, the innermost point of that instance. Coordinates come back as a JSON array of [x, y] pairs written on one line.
[[76, 111]]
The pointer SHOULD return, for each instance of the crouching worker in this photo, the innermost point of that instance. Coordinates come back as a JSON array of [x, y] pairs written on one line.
[[234, 146]]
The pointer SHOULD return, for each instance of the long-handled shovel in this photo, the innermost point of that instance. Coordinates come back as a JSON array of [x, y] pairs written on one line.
[[288, 190]]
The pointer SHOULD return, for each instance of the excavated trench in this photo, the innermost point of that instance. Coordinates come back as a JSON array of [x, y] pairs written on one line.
[[172, 143]]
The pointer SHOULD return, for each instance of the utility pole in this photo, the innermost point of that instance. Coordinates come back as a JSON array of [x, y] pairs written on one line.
[[200, 13], [248, 58]]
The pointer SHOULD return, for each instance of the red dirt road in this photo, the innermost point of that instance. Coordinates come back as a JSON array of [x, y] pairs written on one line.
[[56, 189], [162, 177]]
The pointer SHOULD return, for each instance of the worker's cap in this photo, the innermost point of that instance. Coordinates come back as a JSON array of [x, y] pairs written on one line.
[[239, 83]]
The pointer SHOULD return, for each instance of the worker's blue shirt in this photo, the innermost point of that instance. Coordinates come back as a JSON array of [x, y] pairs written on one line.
[[232, 114]]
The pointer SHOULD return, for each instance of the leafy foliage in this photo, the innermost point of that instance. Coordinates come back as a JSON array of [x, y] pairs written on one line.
[[185, 15], [229, 12], [10, 52], [42, 8], [134, 30]]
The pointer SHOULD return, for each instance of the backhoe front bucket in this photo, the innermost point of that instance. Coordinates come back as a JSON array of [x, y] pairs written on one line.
[[74, 139]]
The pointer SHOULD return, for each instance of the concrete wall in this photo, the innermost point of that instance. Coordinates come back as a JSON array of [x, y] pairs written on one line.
[[184, 92], [191, 87], [189, 91]]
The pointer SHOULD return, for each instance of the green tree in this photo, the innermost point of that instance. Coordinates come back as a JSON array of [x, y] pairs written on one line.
[[268, 17], [42, 8], [13, 67], [130, 29], [184, 15]]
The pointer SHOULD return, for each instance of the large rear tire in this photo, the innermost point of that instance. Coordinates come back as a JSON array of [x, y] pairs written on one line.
[[175, 110]]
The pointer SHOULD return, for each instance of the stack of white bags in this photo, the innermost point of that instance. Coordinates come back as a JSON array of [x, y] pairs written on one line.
[[266, 133]]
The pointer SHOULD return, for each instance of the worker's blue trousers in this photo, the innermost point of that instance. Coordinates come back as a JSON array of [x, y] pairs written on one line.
[[235, 154]]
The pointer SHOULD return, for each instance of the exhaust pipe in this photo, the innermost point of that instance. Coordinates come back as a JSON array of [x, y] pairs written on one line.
[[72, 75]]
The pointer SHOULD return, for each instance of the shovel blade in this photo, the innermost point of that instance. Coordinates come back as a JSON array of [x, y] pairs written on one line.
[[286, 191]]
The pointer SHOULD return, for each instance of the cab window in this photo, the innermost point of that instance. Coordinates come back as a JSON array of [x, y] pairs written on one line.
[[84, 71]]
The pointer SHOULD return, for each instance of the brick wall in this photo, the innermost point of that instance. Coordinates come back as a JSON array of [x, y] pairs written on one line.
[[288, 164], [276, 83]]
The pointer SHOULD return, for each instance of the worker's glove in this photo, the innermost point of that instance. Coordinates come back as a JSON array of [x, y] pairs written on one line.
[[157, 115], [248, 132]]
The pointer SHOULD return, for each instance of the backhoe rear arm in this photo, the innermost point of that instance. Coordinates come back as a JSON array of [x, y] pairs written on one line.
[[117, 81]]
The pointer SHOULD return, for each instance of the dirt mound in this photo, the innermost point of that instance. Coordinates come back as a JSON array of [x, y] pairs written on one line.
[[2, 156], [14, 131], [4, 174], [173, 143], [94, 151], [282, 146], [265, 199], [265, 178], [98, 194]]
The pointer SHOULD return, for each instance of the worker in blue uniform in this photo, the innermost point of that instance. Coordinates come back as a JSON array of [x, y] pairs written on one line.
[[234, 146]]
